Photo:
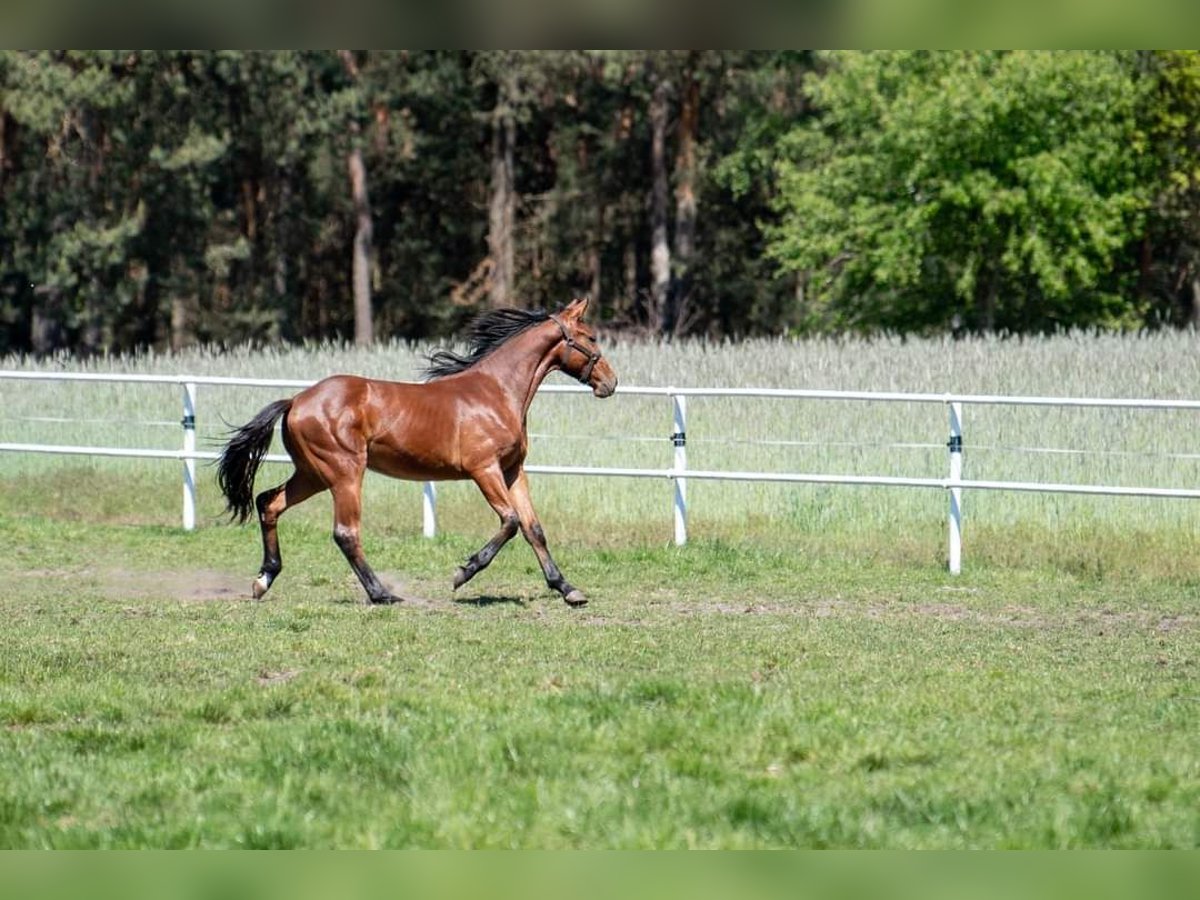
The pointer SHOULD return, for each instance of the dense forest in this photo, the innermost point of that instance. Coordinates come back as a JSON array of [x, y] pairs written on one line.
[[159, 199]]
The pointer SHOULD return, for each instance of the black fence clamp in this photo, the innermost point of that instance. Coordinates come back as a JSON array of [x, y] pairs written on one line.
[[955, 443], [189, 422], [679, 438]]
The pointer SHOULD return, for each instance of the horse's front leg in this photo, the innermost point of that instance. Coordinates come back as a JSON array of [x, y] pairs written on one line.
[[491, 483], [531, 528]]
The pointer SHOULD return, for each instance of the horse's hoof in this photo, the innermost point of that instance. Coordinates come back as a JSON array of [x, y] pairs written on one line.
[[576, 598], [260, 587], [385, 600], [460, 578]]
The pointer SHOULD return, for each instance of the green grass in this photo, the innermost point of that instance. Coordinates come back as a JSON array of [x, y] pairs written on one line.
[[722, 695], [804, 673]]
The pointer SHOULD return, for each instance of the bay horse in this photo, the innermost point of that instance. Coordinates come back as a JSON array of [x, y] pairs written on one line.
[[466, 420]]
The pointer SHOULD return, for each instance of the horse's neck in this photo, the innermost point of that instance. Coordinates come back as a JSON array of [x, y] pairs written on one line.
[[521, 364]]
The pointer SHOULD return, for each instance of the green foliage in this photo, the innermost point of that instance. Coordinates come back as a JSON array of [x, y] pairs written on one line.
[[981, 190], [163, 198], [1171, 267]]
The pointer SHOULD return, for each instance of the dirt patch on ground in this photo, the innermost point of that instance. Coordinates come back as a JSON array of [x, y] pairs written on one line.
[[268, 676], [193, 585], [401, 587], [207, 585], [1010, 615]]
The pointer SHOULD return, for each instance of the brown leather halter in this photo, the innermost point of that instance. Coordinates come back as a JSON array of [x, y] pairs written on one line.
[[593, 356]]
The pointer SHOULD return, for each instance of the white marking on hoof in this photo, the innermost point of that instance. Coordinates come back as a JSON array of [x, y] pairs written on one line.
[[261, 584]]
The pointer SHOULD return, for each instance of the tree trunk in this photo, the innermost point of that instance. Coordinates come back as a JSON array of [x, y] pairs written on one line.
[[800, 304], [660, 250], [502, 202], [182, 315], [44, 321], [91, 339], [595, 238], [594, 262], [629, 266], [364, 326], [280, 271], [685, 197], [1194, 312], [145, 327], [986, 295], [284, 306]]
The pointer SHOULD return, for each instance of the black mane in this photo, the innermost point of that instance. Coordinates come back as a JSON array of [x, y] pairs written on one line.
[[485, 333]]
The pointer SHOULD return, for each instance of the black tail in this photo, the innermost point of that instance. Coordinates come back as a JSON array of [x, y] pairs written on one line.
[[242, 456]]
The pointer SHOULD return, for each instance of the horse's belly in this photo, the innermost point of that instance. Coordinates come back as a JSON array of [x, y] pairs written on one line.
[[400, 463]]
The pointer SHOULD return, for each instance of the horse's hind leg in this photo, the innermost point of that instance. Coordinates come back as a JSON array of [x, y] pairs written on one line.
[[271, 505], [347, 518]]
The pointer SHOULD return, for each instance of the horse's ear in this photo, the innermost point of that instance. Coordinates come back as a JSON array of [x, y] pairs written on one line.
[[577, 307]]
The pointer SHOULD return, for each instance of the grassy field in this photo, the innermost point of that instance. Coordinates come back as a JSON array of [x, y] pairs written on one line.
[[804, 673], [716, 696]]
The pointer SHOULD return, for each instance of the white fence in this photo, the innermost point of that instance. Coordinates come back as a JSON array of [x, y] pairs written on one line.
[[678, 473]]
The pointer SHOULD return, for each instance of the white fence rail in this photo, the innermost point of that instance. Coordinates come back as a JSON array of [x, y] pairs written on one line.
[[678, 473]]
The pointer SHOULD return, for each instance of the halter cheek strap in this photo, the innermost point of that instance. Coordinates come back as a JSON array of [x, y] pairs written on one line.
[[593, 356]]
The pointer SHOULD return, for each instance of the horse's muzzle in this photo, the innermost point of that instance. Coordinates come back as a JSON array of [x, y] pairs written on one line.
[[603, 379], [604, 389]]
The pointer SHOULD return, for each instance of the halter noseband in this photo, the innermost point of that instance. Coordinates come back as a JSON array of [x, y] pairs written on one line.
[[593, 356]]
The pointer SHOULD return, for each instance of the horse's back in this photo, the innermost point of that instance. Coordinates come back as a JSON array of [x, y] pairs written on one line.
[[403, 429]]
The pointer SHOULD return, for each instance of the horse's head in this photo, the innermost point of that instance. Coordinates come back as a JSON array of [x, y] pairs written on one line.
[[578, 353]]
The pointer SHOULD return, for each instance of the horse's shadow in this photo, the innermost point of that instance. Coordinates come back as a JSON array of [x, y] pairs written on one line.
[[481, 602], [490, 600]]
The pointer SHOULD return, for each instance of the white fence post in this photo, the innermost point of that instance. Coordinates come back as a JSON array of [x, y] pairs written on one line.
[[189, 464], [679, 439], [429, 509], [956, 449]]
